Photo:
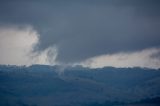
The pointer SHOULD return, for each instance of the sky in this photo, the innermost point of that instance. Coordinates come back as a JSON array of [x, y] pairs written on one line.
[[92, 33]]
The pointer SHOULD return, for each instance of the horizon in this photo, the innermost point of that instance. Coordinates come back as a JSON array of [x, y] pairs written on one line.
[[78, 66]]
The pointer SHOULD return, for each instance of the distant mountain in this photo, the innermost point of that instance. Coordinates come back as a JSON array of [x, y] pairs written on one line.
[[42, 85]]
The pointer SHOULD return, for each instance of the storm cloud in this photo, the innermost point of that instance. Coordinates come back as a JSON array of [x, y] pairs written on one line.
[[83, 29]]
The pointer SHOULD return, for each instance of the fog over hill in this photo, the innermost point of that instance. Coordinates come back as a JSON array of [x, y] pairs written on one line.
[[42, 85]]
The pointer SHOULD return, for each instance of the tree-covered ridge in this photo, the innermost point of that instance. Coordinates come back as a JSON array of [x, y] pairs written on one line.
[[42, 85]]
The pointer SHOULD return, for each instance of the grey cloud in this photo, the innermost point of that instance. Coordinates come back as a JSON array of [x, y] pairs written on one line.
[[83, 29]]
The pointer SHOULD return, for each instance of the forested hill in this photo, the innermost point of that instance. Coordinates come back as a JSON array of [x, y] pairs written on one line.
[[42, 85]]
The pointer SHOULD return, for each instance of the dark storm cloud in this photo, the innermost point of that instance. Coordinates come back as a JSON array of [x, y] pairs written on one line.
[[85, 28]]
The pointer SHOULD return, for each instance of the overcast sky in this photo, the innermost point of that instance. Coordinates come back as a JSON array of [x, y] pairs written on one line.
[[78, 31]]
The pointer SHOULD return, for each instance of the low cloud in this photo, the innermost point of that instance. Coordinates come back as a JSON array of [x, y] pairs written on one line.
[[147, 58], [83, 29], [17, 47], [47, 57]]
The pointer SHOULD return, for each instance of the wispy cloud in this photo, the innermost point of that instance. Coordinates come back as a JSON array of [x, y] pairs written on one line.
[[149, 58]]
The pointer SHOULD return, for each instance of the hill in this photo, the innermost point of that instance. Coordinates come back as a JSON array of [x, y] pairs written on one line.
[[42, 85]]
